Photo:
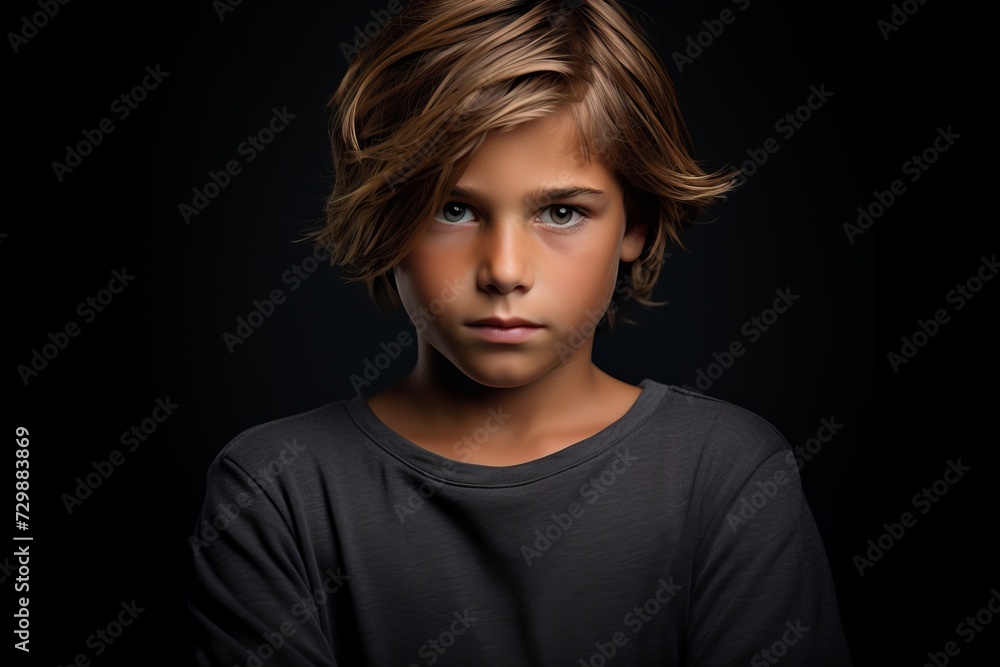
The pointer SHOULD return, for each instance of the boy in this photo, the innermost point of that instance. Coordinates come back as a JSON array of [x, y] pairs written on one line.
[[502, 168]]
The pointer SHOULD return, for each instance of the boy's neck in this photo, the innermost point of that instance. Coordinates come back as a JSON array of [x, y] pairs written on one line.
[[435, 408]]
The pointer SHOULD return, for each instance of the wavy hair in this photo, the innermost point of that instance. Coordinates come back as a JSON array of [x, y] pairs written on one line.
[[420, 97]]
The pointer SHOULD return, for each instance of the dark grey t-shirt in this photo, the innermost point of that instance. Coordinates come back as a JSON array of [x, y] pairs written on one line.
[[678, 535]]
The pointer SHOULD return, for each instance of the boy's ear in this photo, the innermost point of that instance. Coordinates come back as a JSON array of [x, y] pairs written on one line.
[[633, 242]]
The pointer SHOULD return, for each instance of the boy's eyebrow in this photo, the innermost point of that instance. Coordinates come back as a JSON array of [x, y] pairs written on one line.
[[536, 196]]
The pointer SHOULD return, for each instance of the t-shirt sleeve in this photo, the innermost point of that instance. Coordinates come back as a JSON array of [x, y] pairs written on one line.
[[250, 590], [761, 592]]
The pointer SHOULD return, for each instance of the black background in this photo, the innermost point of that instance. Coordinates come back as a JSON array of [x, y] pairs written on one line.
[[162, 336]]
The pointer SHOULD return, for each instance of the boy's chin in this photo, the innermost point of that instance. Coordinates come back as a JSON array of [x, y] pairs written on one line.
[[503, 373]]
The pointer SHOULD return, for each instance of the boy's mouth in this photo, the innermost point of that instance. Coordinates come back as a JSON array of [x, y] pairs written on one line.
[[504, 329], [503, 322]]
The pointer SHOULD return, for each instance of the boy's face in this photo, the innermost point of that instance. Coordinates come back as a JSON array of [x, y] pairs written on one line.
[[500, 247]]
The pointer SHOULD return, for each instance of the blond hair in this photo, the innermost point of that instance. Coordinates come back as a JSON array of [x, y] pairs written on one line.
[[422, 94]]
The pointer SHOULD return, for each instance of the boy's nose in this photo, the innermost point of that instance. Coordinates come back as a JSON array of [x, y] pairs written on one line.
[[505, 256]]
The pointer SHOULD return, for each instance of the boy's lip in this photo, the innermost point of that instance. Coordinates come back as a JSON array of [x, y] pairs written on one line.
[[504, 322]]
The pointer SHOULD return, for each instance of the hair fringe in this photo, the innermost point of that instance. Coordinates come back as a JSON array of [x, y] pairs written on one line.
[[422, 95]]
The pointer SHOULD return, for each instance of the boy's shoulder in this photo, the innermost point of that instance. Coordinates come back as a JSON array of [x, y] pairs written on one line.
[[718, 426], [693, 423], [282, 441]]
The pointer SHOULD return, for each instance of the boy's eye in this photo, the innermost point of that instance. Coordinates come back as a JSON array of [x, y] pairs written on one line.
[[562, 215], [558, 215], [454, 212]]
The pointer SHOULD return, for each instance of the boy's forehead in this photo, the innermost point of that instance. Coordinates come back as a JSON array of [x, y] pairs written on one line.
[[548, 149], [557, 130]]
